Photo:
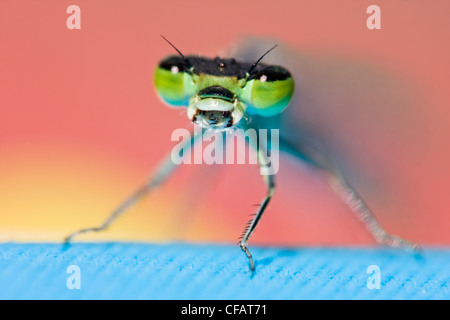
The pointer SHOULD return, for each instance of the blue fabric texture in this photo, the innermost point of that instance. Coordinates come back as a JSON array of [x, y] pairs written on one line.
[[201, 271]]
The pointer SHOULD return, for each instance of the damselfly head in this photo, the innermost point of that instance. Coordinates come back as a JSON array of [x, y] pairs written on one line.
[[219, 92], [210, 89]]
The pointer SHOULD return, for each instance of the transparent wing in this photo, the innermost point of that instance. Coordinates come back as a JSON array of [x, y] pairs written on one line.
[[356, 113], [351, 117]]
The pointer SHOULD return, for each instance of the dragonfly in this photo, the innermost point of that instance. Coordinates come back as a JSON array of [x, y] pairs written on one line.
[[226, 93]]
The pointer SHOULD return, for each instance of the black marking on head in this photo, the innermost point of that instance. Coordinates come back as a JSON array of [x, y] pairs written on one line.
[[216, 92], [173, 61], [272, 73], [221, 67]]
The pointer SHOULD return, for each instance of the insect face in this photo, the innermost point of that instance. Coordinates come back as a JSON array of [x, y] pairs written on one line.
[[218, 92]]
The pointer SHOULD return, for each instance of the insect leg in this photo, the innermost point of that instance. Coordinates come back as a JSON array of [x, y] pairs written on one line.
[[348, 194], [365, 215], [270, 183], [164, 170]]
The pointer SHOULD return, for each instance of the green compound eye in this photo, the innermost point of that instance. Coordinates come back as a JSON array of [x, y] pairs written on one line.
[[173, 82], [269, 91]]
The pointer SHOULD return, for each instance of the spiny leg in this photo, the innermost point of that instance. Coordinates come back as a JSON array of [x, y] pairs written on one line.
[[161, 174], [270, 182], [341, 186], [365, 215]]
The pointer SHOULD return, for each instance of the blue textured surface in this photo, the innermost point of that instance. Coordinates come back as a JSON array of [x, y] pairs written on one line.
[[185, 271]]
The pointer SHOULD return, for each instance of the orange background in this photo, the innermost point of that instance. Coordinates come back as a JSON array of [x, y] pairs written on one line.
[[81, 126]]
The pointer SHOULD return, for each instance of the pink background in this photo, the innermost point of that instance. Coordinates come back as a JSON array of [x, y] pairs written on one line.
[[81, 126]]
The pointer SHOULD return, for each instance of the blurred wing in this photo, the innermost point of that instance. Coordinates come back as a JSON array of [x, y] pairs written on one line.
[[352, 112]]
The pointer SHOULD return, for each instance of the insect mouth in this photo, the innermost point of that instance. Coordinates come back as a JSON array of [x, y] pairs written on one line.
[[215, 108], [213, 119]]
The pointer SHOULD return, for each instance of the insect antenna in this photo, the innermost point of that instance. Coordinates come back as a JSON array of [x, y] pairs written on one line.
[[185, 60], [256, 63]]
